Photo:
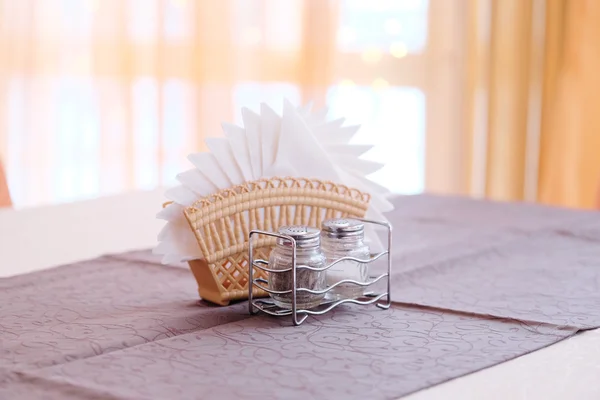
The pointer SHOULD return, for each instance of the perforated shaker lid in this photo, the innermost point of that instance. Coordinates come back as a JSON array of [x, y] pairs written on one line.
[[343, 227], [305, 236]]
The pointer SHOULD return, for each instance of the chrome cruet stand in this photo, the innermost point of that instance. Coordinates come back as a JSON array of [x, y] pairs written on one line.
[[300, 315]]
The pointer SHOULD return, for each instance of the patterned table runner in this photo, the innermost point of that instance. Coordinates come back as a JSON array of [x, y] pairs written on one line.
[[475, 283], [524, 262]]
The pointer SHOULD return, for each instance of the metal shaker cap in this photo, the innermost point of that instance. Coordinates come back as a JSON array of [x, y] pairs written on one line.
[[305, 236], [338, 228]]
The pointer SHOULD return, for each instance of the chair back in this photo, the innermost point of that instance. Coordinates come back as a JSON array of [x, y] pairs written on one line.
[[5, 200]]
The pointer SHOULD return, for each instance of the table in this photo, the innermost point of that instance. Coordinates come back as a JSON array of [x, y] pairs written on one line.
[[39, 238]]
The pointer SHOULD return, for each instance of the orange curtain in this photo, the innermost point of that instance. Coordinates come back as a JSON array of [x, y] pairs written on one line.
[[98, 97], [133, 86], [501, 78], [531, 100], [570, 147], [103, 96]]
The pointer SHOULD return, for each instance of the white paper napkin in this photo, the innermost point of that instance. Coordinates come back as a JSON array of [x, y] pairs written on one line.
[[298, 143]]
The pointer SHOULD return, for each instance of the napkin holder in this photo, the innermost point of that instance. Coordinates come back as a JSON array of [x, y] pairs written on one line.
[[222, 222]]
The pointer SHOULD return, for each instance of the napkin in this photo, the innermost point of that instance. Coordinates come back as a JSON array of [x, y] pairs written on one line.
[[299, 143]]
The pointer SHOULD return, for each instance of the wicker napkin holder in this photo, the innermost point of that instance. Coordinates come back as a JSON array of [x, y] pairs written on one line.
[[222, 222]]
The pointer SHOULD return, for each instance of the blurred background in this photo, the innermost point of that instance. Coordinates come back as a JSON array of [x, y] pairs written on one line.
[[486, 98]]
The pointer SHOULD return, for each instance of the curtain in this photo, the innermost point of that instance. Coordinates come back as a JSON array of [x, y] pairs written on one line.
[[531, 95], [502, 98], [102, 96], [570, 146]]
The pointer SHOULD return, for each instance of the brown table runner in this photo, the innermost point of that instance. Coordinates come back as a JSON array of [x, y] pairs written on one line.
[[98, 306], [125, 327], [350, 354], [524, 262], [549, 278]]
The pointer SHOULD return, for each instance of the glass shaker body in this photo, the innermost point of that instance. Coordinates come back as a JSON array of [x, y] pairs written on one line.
[[345, 238], [308, 253]]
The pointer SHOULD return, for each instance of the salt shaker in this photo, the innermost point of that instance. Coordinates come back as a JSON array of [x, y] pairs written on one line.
[[343, 237], [308, 253]]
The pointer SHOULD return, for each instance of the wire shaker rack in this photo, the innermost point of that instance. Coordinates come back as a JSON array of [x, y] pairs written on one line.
[[299, 315]]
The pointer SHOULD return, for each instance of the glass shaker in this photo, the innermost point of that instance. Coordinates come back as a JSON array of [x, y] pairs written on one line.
[[343, 237], [308, 253]]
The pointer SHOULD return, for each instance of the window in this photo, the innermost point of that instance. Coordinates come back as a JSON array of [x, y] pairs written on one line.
[[106, 96]]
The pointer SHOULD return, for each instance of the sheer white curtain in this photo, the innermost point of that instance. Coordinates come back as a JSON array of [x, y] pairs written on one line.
[[103, 96]]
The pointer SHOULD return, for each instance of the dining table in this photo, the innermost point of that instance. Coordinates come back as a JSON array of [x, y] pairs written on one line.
[[35, 241]]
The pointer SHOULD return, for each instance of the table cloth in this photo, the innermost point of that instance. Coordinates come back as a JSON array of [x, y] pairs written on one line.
[[125, 326]]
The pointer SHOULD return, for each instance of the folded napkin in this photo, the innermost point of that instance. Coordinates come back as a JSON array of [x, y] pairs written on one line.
[[297, 144]]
